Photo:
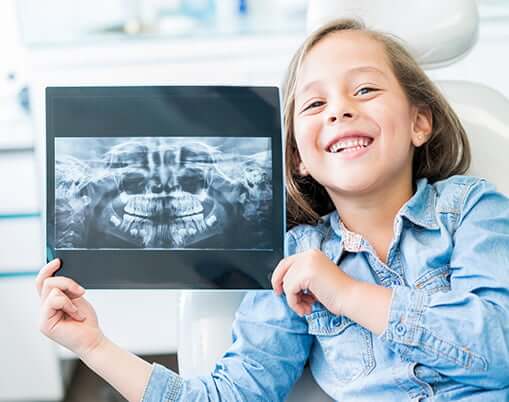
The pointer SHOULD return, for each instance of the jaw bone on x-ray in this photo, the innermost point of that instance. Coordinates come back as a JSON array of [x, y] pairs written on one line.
[[166, 192]]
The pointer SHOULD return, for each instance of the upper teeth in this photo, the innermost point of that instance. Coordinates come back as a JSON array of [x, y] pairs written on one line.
[[348, 143]]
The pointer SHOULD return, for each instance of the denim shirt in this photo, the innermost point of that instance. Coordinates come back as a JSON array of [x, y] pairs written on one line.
[[448, 333]]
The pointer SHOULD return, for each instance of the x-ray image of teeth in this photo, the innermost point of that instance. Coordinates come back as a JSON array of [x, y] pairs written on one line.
[[163, 192]]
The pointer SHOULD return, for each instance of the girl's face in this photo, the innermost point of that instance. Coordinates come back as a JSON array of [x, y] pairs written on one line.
[[354, 127]]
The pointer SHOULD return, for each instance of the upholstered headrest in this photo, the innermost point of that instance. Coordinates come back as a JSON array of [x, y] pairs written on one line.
[[437, 32]]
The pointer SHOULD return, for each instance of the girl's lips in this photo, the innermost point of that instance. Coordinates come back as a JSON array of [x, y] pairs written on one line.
[[346, 136]]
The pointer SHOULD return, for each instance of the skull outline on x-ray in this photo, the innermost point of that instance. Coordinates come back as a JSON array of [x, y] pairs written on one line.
[[155, 194]]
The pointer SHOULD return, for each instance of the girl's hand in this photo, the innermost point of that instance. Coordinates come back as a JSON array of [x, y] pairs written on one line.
[[66, 317], [310, 276]]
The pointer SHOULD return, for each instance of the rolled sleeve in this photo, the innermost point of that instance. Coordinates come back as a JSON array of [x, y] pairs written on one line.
[[407, 334], [405, 317], [163, 385]]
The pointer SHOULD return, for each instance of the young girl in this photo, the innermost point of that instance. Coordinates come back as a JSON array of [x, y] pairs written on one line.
[[397, 283]]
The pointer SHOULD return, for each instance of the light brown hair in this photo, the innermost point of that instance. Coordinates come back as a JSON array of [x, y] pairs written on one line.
[[446, 153]]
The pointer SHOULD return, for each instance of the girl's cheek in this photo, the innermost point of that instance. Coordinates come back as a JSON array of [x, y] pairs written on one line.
[[306, 131]]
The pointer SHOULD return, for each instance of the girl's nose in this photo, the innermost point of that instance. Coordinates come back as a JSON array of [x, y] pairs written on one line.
[[340, 110], [333, 117], [343, 116]]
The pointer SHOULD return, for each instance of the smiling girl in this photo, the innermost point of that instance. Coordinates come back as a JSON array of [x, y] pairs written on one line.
[[396, 286]]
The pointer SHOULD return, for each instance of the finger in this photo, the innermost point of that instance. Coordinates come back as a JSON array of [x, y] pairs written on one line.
[[46, 272], [292, 291], [58, 302], [299, 304], [308, 299], [279, 274], [305, 302], [295, 281], [293, 302], [67, 285], [305, 309]]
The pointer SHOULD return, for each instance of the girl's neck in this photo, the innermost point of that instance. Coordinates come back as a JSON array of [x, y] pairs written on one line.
[[372, 215]]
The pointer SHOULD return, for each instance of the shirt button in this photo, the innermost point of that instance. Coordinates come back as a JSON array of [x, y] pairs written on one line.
[[400, 329]]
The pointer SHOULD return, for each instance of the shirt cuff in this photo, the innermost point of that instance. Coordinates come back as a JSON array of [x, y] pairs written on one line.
[[163, 385], [405, 316]]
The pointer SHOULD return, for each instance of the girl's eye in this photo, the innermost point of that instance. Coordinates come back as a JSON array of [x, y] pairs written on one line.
[[314, 104], [365, 90]]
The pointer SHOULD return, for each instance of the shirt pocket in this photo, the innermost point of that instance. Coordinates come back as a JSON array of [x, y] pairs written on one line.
[[347, 347], [434, 280]]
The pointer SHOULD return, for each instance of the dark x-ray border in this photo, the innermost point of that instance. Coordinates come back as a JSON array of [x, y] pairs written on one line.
[[159, 111]]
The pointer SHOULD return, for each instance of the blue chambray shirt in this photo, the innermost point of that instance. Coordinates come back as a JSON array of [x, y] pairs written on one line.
[[448, 332]]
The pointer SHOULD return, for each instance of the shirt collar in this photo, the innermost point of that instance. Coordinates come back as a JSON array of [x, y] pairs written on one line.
[[419, 209]]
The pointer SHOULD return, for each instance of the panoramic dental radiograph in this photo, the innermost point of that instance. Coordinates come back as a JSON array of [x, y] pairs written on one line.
[[167, 192]]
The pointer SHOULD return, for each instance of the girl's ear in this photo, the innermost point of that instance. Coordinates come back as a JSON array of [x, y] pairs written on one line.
[[422, 125]]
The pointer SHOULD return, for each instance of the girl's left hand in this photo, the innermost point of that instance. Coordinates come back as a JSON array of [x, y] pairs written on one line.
[[310, 276]]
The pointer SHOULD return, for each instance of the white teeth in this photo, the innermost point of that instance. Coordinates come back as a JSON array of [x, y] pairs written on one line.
[[152, 205], [211, 220], [124, 197], [349, 143], [115, 220]]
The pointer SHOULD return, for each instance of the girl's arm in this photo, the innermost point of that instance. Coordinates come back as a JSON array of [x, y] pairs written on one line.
[[270, 346], [462, 333], [367, 304], [126, 372], [70, 320]]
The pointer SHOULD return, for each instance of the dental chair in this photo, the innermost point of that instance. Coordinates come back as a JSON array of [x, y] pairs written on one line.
[[437, 33]]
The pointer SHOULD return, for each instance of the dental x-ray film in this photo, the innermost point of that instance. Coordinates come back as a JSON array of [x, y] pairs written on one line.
[[165, 187]]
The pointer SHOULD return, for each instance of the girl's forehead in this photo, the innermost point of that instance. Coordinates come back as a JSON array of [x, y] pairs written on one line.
[[346, 52], [350, 40]]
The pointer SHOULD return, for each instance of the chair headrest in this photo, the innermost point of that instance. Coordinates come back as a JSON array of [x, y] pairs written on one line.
[[436, 32]]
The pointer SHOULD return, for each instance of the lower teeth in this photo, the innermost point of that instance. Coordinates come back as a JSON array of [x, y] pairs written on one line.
[[353, 149]]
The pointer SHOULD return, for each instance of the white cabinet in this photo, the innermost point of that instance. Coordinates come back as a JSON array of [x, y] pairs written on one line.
[[19, 183], [29, 367]]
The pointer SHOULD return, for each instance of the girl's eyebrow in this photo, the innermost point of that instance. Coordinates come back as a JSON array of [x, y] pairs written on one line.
[[308, 86], [365, 69], [352, 71]]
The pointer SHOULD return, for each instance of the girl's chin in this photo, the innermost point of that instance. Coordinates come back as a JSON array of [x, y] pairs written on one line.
[[350, 187]]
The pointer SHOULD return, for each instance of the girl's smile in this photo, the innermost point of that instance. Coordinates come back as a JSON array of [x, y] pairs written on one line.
[[350, 144]]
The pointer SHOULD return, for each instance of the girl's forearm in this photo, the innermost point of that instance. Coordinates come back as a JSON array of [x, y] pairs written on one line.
[[367, 304], [126, 372]]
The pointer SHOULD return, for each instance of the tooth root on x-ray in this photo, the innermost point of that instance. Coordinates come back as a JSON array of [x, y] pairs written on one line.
[[158, 192]]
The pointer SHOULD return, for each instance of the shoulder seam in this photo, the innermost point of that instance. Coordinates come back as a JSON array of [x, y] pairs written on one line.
[[468, 190]]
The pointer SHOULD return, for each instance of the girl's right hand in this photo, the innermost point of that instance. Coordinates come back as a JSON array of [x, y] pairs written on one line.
[[66, 317]]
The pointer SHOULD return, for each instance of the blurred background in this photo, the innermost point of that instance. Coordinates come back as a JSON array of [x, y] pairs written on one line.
[[133, 42]]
